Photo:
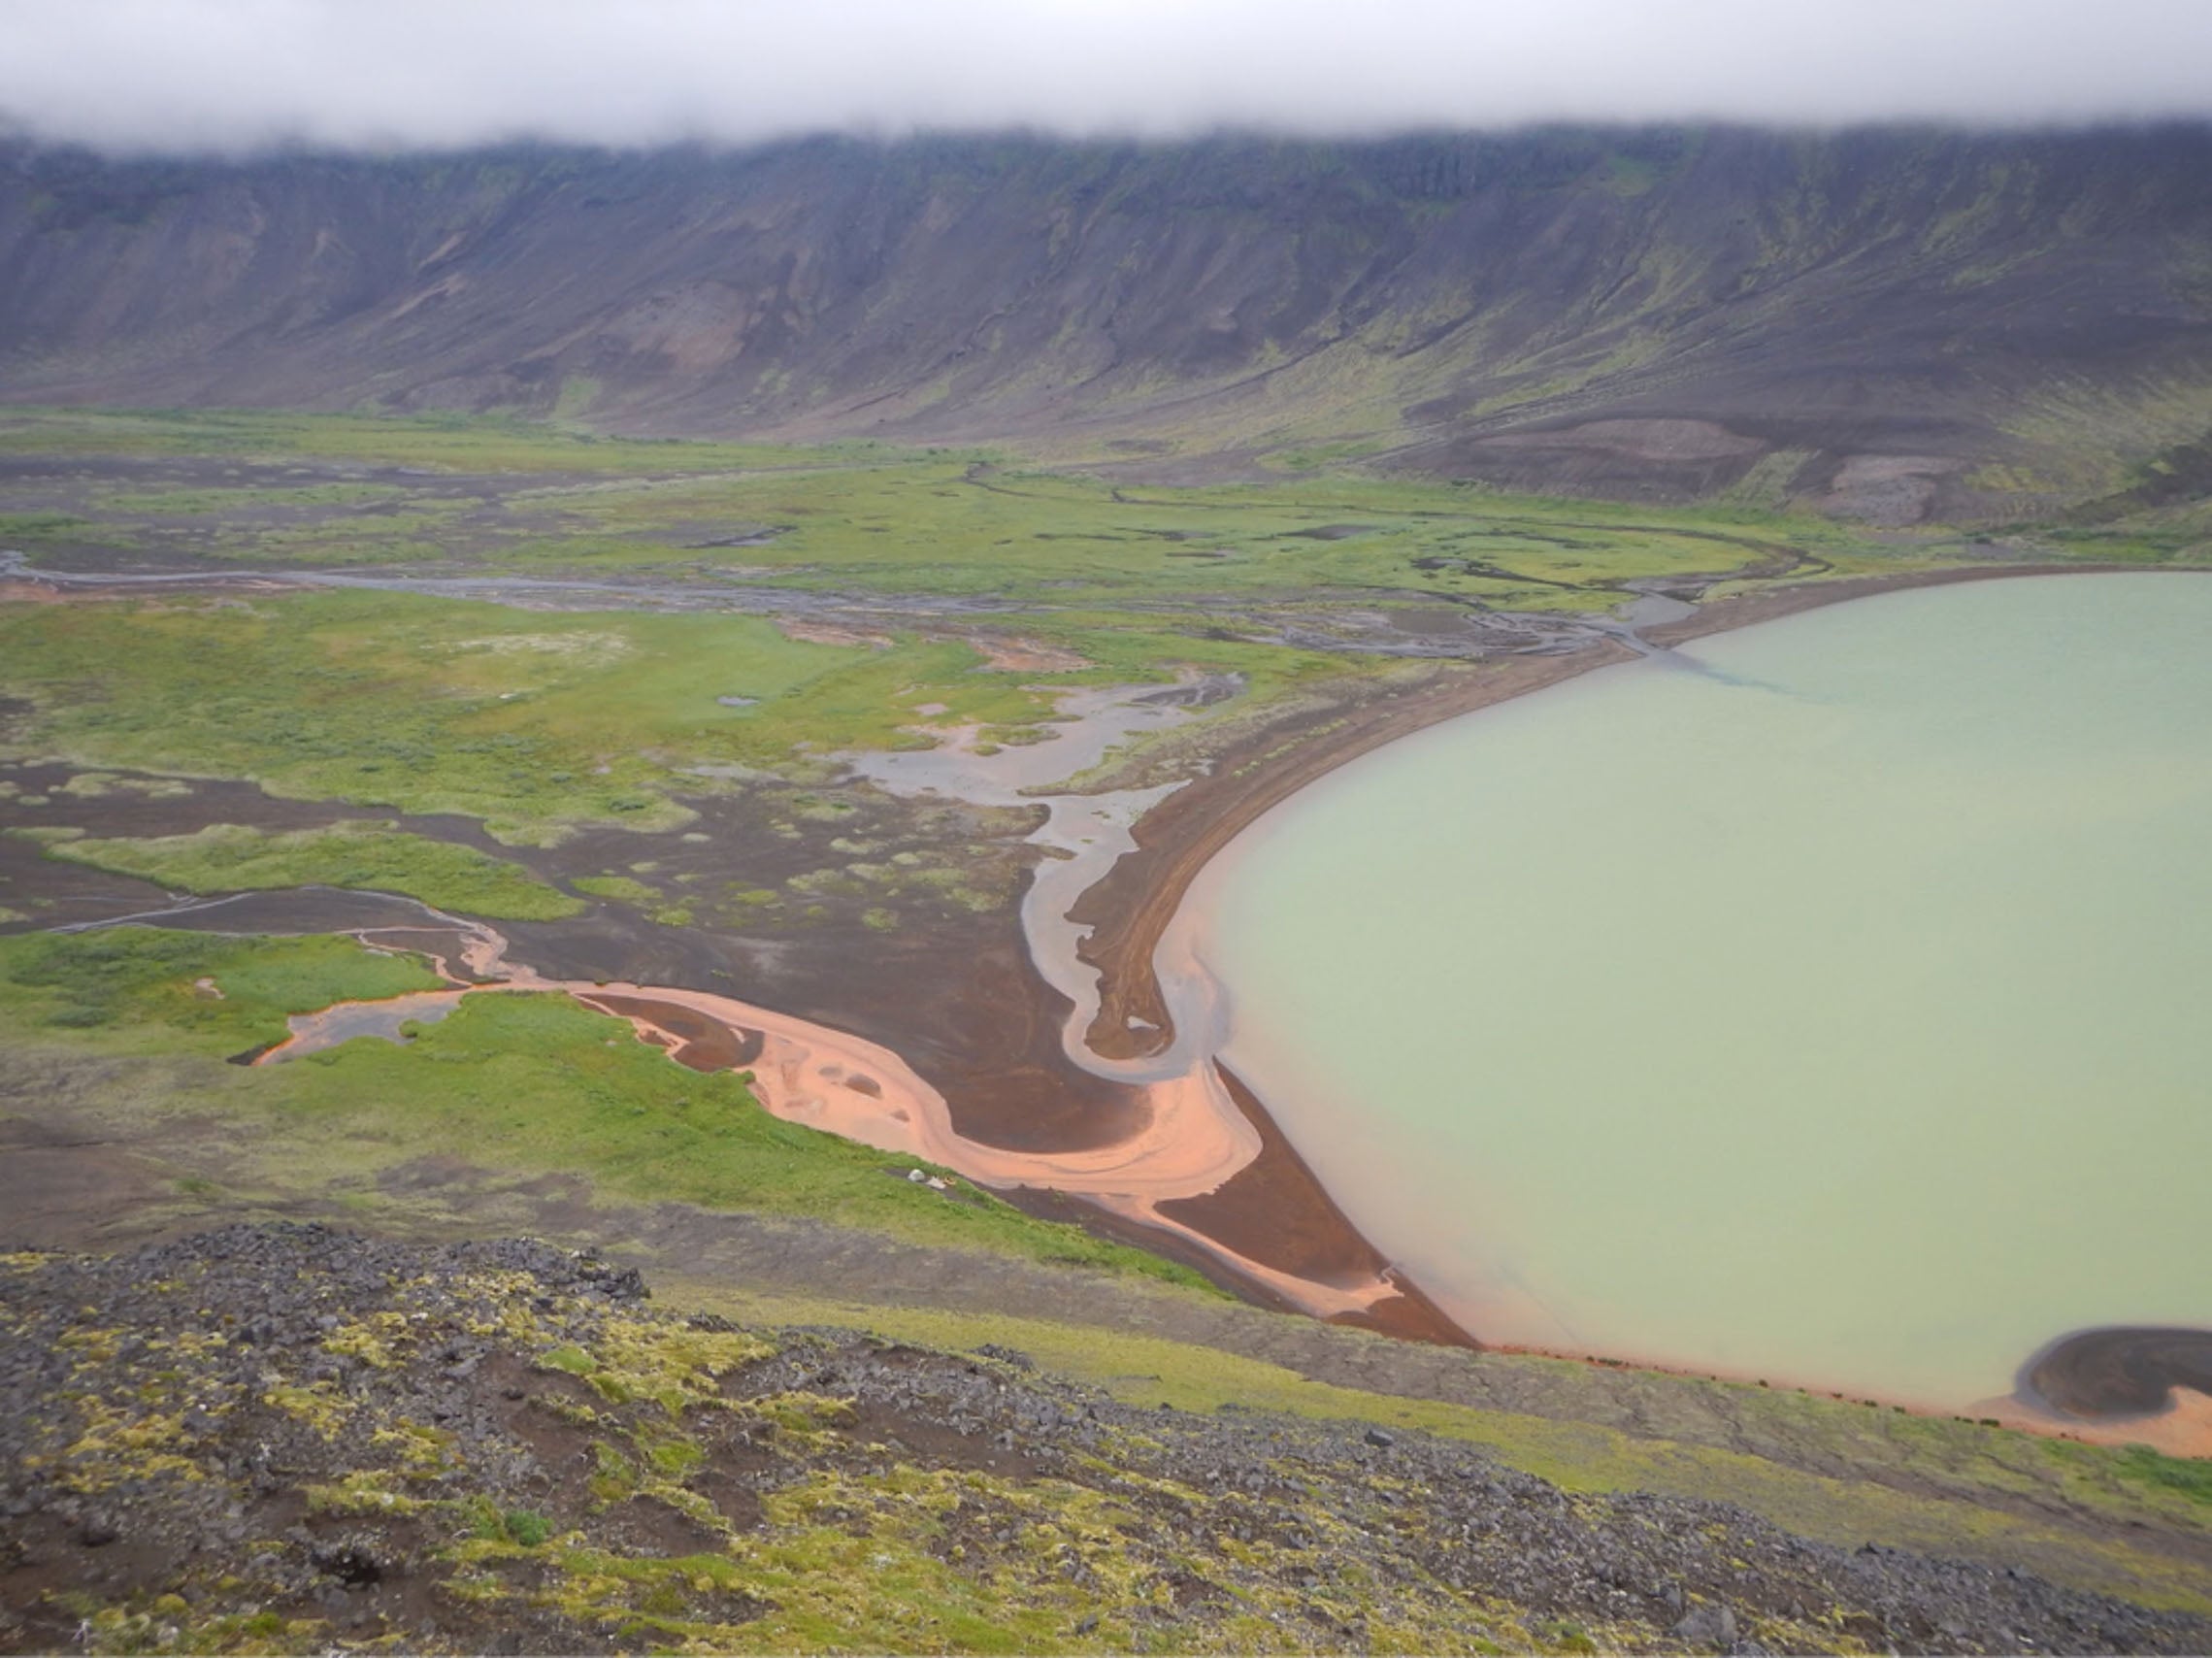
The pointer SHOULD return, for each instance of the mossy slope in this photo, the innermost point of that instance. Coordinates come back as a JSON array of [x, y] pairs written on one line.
[[284, 1439]]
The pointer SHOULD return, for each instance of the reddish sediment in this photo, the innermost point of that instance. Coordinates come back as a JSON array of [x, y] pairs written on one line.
[[695, 1040], [2124, 1384], [1245, 1212], [2183, 1429], [1275, 1210], [1194, 1140]]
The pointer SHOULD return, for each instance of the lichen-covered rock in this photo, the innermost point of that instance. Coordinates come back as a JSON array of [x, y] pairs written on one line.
[[288, 1439]]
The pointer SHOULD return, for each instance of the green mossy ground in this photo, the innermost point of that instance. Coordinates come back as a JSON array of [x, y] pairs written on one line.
[[141, 987], [1904, 1481], [536, 723], [533, 723], [372, 857], [858, 1545]]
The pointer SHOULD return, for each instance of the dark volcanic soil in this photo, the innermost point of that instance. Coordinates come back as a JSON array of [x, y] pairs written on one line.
[[293, 1436], [1275, 1211]]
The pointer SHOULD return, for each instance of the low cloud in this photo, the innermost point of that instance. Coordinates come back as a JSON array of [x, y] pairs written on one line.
[[237, 75]]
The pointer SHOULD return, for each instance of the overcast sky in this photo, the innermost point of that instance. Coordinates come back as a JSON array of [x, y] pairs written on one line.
[[240, 74]]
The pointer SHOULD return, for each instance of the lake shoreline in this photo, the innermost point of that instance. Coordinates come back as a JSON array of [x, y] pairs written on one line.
[[1221, 821], [1131, 909]]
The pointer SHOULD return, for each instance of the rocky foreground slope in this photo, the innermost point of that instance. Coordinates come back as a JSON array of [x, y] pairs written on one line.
[[284, 1438]]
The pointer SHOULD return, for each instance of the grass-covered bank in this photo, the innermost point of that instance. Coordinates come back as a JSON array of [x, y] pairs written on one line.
[[533, 723], [143, 988], [455, 493], [528, 1082], [369, 857], [1829, 1468]]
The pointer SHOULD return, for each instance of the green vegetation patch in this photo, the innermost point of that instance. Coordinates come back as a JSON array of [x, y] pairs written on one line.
[[43, 527], [534, 1083], [366, 858], [622, 888], [200, 992], [2191, 1476], [1944, 1487], [532, 723]]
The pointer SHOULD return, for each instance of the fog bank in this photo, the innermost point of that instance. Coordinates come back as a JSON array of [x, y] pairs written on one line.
[[238, 74]]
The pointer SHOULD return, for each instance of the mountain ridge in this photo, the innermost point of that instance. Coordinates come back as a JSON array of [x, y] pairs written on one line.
[[1888, 323]]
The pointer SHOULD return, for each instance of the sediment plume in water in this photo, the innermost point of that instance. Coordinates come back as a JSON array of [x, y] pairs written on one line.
[[2123, 1372]]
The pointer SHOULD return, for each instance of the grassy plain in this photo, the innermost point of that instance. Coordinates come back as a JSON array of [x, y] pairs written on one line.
[[937, 579], [528, 721], [418, 704], [452, 493], [140, 985], [372, 857]]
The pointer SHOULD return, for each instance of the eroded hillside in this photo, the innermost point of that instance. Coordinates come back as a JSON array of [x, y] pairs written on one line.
[[1891, 325]]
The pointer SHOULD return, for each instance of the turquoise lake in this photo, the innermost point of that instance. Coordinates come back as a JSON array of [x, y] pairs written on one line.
[[1830, 1001]]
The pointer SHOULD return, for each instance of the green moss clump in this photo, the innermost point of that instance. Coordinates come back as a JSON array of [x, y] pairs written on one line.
[[2191, 1476], [201, 992], [622, 888], [368, 857]]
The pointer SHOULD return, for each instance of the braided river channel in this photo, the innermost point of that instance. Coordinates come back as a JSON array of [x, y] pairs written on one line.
[[1829, 1001]]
